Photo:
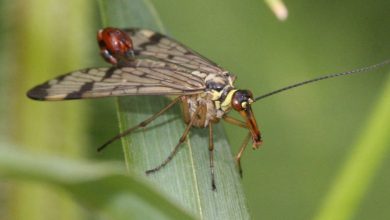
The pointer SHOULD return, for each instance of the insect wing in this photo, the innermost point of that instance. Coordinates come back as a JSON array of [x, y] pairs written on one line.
[[148, 43], [162, 66], [146, 77]]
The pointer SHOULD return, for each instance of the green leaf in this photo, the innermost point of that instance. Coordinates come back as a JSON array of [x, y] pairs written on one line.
[[104, 187], [360, 168], [187, 178]]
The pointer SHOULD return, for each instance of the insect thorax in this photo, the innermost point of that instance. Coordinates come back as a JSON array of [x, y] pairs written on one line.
[[214, 103]]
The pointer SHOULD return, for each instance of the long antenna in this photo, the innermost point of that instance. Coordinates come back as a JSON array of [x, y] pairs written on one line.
[[360, 70]]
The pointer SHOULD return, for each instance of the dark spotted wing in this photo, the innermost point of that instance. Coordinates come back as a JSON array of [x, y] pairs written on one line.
[[142, 77], [148, 43], [161, 66]]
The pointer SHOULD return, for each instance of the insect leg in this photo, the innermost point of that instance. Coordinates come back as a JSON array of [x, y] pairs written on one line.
[[239, 154], [181, 140], [140, 125], [234, 121], [211, 154], [239, 123]]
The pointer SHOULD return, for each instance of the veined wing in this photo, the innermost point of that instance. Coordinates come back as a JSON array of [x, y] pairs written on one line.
[[147, 43], [143, 77]]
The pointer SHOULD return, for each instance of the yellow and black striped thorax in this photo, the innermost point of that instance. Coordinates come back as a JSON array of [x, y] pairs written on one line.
[[221, 88]]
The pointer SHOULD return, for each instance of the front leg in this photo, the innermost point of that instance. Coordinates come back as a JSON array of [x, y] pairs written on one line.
[[239, 154], [241, 124]]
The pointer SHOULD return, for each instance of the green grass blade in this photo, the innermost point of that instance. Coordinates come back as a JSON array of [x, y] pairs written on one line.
[[186, 178], [106, 188], [359, 171]]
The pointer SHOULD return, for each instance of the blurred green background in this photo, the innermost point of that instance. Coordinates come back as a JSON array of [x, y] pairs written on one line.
[[309, 133]]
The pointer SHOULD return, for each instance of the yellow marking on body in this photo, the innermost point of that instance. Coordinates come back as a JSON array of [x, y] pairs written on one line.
[[215, 95], [226, 104], [217, 104]]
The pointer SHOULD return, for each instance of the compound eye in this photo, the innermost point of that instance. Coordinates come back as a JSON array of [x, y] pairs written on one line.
[[114, 44], [240, 100]]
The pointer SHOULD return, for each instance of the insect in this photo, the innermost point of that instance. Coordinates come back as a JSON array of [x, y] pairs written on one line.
[[145, 62]]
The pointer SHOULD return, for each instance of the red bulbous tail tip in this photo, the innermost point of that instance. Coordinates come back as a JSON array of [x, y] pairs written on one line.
[[114, 44]]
